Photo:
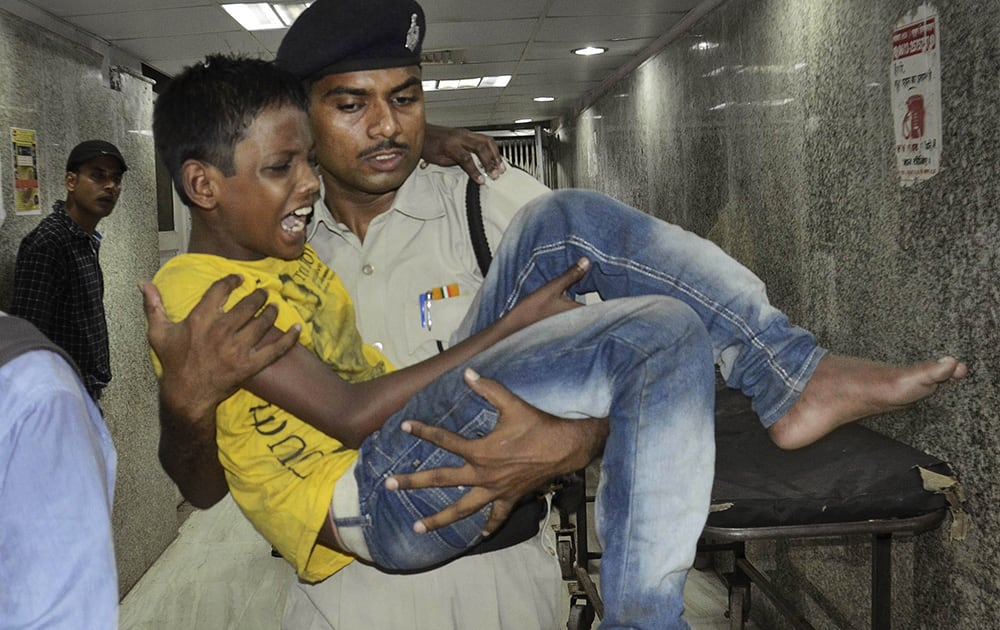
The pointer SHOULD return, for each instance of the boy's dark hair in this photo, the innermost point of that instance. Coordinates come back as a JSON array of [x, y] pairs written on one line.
[[206, 109]]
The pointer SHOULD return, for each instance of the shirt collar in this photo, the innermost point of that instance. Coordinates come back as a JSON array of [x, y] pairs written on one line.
[[59, 209], [407, 202], [412, 197], [322, 216]]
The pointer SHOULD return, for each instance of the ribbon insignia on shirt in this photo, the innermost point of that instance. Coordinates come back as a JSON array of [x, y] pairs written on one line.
[[427, 298]]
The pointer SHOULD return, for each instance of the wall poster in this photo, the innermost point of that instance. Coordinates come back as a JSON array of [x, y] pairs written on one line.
[[25, 146], [915, 85]]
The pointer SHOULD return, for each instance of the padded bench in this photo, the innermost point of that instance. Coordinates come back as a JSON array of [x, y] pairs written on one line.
[[854, 481]]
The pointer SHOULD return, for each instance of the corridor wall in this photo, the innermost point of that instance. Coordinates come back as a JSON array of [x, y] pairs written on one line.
[[767, 127], [60, 86]]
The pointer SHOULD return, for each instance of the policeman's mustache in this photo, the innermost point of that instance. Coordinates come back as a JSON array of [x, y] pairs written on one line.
[[386, 145]]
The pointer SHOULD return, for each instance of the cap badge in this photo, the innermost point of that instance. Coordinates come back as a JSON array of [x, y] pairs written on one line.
[[413, 35]]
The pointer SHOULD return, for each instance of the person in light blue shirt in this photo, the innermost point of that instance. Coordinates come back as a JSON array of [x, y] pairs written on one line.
[[57, 475]]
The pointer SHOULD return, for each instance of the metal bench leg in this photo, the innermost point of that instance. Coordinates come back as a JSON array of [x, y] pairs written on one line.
[[738, 586], [581, 612], [881, 581], [739, 600], [588, 586]]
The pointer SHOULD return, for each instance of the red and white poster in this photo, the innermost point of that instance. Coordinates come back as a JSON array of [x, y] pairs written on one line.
[[915, 84], [26, 191]]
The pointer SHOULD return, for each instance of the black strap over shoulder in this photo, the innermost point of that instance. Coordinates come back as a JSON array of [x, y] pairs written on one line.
[[18, 336], [523, 522], [477, 232]]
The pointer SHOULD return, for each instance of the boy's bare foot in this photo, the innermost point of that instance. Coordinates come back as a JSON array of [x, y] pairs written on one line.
[[845, 389]]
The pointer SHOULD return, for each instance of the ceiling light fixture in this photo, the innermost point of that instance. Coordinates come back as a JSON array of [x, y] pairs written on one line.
[[705, 46], [462, 84], [263, 16], [497, 81], [290, 12], [587, 51], [521, 121], [544, 99]]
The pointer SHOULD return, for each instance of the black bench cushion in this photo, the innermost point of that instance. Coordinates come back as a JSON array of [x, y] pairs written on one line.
[[854, 474]]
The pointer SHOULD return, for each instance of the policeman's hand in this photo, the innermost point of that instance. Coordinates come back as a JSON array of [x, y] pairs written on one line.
[[526, 449], [445, 146], [207, 356]]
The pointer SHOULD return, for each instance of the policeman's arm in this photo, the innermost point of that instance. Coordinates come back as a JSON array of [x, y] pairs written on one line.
[[205, 358], [527, 449]]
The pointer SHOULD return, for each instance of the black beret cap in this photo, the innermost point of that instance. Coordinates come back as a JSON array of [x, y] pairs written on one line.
[[334, 36], [91, 149]]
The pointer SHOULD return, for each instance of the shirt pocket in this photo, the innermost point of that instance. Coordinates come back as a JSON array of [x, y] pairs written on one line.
[[445, 315]]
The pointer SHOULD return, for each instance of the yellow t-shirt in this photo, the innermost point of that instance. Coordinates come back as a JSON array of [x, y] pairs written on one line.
[[281, 471]]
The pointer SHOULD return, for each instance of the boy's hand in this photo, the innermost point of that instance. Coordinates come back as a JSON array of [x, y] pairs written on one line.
[[445, 146], [549, 299], [526, 449]]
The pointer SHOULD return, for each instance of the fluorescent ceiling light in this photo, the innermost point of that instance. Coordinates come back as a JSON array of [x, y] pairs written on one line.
[[522, 120], [290, 12], [462, 84], [254, 17], [263, 16], [499, 81], [543, 99], [590, 50]]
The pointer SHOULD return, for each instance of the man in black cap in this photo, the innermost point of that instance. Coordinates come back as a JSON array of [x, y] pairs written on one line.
[[514, 581], [58, 283]]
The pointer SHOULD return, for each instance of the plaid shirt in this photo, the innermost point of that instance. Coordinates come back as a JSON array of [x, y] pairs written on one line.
[[59, 287]]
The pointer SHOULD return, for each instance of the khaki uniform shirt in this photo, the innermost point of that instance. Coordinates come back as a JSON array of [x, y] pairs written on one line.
[[423, 243], [420, 245]]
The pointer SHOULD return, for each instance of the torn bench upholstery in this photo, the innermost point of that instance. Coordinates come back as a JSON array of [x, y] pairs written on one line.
[[853, 482]]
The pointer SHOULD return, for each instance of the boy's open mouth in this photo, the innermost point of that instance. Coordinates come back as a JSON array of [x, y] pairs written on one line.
[[297, 220]]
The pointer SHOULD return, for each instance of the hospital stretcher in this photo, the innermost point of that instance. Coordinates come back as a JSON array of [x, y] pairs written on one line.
[[853, 482]]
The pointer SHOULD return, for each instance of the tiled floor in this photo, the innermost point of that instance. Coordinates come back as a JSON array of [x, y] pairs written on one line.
[[219, 575]]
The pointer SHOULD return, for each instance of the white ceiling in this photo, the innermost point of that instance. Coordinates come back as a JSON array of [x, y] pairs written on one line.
[[529, 39]]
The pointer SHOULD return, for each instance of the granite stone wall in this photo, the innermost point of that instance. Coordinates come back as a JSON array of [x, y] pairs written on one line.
[[62, 90], [768, 129]]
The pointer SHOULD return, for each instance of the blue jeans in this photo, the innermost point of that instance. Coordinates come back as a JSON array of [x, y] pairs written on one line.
[[633, 253], [644, 362]]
